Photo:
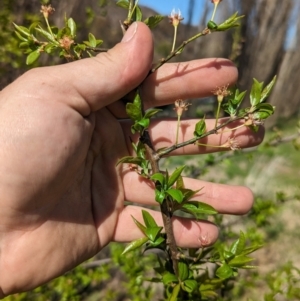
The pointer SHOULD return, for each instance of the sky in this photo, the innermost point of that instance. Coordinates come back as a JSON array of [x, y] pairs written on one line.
[[165, 7]]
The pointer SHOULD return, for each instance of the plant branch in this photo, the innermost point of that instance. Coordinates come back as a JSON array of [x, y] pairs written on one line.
[[166, 151], [165, 207], [179, 49]]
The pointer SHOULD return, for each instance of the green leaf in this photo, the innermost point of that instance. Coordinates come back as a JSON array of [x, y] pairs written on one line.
[[45, 34], [153, 232], [144, 122], [239, 245], [159, 196], [190, 285], [211, 284], [175, 175], [20, 37], [233, 102], [159, 177], [135, 245], [183, 270], [138, 14], [255, 93], [134, 109], [263, 111], [153, 21], [158, 240], [123, 3], [92, 40], [227, 255], [251, 249], [212, 25], [224, 271], [229, 23], [209, 294], [175, 293], [139, 225], [22, 30], [240, 261], [72, 25], [32, 57], [195, 207], [24, 45], [99, 42], [200, 128], [175, 194], [267, 90], [130, 159], [64, 32], [238, 97], [149, 220], [180, 183], [168, 278], [188, 193], [151, 112]]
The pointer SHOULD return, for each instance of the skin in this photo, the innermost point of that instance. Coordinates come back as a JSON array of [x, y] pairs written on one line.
[[62, 196]]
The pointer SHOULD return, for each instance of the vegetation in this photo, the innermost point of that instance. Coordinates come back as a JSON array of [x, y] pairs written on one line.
[[207, 273]]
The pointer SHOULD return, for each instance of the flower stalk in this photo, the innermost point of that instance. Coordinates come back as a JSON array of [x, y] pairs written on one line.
[[216, 3], [180, 106], [175, 19], [47, 10]]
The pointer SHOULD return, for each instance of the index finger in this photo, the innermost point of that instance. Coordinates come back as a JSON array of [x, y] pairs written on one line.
[[184, 80]]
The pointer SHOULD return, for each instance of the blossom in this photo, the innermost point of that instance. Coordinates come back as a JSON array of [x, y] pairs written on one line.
[[232, 144], [47, 10], [66, 42], [204, 240], [180, 106], [251, 120], [216, 1], [221, 92], [175, 17]]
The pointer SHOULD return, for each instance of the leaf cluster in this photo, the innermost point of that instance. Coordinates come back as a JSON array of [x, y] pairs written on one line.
[[36, 40], [135, 14]]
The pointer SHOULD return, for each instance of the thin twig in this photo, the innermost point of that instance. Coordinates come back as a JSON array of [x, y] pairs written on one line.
[[179, 49], [168, 150]]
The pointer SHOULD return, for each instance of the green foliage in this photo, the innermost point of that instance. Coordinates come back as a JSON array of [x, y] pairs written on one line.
[[35, 40], [229, 23], [11, 55], [200, 128], [68, 287]]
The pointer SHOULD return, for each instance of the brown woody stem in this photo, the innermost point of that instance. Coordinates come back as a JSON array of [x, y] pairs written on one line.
[[165, 207]]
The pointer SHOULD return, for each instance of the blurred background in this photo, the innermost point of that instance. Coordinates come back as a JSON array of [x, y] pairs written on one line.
[[266, 44]]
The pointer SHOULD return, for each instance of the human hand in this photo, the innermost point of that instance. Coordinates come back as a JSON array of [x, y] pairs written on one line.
[[62, 195]]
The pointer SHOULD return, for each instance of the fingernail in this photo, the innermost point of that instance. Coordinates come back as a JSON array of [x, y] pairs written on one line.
[[130, 32]]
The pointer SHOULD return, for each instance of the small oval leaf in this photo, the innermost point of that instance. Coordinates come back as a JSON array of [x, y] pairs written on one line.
[[32, 57], [135, 244], [175, 194], [183, 270], [175, 175], [190, 285], [72, 26], [199, 208], [149, 220], [224, 271]]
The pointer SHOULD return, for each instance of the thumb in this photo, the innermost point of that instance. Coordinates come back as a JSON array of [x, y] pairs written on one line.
[[93, 83]]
